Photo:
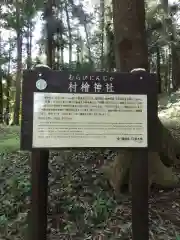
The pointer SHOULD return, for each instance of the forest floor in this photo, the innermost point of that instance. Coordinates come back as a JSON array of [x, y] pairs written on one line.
[[81, 203]]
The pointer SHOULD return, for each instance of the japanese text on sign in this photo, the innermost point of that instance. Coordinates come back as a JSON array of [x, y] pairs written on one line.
[[89, 120], [92, 83]]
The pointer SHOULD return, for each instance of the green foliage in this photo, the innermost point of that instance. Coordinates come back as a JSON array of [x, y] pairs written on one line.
[[101, 208]]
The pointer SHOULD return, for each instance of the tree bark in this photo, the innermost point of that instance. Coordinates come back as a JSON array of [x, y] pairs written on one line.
[[158, 67], [1, 98], [70, 34], [1, 86], [102, 10], [19, 65], [130, 40], [29, 44]]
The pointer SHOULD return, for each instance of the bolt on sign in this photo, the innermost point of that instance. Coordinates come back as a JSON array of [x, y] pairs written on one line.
[[63, 109]]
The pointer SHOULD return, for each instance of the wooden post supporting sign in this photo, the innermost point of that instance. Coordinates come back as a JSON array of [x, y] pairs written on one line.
[[38, 224], [39, 180], [40, 157], [140, 220]]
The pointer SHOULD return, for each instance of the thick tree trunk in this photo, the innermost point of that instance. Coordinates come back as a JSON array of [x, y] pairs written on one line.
[[130, 40], [175, 68]]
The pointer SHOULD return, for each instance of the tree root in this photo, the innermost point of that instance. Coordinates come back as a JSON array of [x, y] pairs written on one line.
[[118, 172]]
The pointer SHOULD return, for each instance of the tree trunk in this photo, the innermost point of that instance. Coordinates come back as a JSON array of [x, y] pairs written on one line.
[[1, 89], [88, 42], [169, 56], [102, 9], [29, 44], [175, 68], [19, 66], [70, 34], [61, 39], [49, 45], [110, 62], [166, 74], [1, 98], [8, 79], [8, 99], [130, 40], [158, 67]]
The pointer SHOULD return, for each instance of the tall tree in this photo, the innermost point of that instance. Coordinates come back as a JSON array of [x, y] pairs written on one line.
[[70, 40], [1, 83], [19, 42], [29, 9], [130, 40], [161, 26], [102, 12]]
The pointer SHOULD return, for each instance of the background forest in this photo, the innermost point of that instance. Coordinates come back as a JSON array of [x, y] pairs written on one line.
[[83, 38]]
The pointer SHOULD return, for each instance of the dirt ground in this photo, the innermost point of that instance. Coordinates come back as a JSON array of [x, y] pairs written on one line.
[[81, 205]]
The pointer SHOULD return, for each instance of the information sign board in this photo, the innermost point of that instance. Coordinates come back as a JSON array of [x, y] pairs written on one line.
[[73, 110], [89, 120]]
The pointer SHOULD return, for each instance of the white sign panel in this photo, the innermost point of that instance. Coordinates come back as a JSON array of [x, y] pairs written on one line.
[[65, 120]]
